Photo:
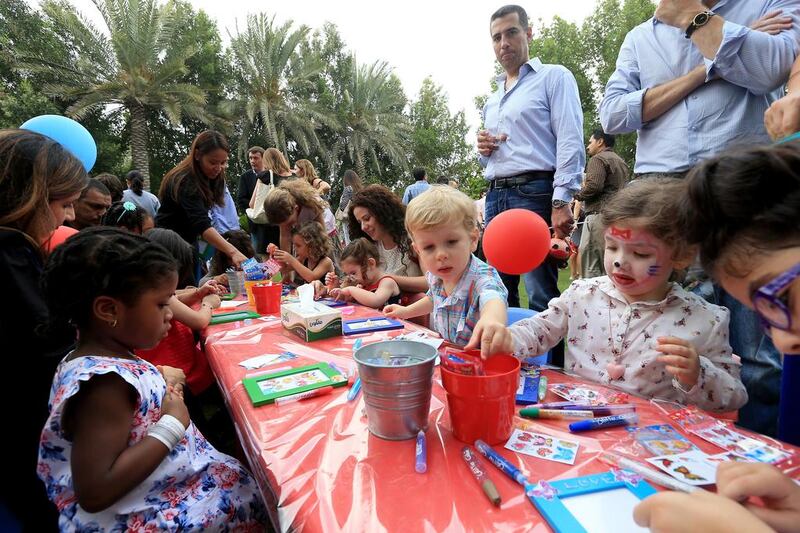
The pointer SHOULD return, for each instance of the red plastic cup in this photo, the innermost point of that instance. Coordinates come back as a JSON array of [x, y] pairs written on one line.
[[268, 298], [483, 407]]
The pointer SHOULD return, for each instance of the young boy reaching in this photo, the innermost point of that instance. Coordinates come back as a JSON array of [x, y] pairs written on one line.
[[466, 296]]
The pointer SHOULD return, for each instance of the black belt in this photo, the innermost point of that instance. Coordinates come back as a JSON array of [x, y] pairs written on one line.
[[521, 179]]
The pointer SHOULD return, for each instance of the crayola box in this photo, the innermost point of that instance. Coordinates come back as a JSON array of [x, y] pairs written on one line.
[[313, 322]]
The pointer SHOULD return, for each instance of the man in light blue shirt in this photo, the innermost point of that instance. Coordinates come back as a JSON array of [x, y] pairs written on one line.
[[419, 186], [694, 82], [690, 98], [532, 147]]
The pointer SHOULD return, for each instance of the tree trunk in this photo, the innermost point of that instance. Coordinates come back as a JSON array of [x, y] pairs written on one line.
[[141, 159], [361, 167]]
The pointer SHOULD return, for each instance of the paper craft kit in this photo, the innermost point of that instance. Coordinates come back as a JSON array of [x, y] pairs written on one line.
[[266, 388], [588, 394], [543, 446], [311, 322]]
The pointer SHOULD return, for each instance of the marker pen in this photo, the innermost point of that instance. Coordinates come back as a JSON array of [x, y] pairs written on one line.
[[542, 387], [303, 395], [352, 394], [537, 412], [474, 465], [604, 422], [421, 454], [498, 461]]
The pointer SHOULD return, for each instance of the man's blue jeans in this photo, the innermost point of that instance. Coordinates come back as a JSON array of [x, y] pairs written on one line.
[[541, 284]]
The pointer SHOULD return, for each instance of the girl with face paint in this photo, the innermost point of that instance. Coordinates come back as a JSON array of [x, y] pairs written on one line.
[[634, 329]]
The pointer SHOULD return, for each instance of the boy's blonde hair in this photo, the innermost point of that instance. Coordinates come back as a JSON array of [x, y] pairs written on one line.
[[440, 204]]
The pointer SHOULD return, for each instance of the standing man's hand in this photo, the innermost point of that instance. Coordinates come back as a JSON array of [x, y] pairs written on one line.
[[678, 13], [487, 143], [783, 117], [562, 220]]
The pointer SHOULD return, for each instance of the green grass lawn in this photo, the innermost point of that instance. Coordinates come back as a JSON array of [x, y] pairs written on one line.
[[563, 283]]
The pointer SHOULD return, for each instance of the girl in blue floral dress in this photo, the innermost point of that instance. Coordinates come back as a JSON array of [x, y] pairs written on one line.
[[118, 452]]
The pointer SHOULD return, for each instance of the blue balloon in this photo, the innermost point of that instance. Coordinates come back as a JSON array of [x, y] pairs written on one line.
[[69, 134]]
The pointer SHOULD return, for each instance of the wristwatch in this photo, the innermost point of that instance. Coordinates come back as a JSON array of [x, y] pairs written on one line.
[[558, 204], [699, 20]]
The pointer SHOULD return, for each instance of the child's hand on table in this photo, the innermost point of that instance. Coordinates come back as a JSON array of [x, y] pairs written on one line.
[[395, 311], [212, 301], [492, 337], [681, 360], [173, 404], [211, 286], [677, 512], [342, 294], [779, 494]]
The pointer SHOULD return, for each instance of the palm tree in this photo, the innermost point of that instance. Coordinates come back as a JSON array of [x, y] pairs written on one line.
[[372, 118], [269, 75], [135, 68]]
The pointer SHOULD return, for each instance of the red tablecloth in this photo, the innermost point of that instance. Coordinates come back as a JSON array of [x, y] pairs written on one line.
[[320, 469]]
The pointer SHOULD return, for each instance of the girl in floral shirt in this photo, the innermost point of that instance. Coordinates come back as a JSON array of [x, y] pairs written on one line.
[[118, 452], [634, 329]]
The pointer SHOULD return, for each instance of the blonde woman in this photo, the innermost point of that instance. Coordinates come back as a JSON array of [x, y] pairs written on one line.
[[304, 169]]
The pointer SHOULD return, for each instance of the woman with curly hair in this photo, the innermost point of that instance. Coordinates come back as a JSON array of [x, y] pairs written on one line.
[[305, 170], [377, 213]]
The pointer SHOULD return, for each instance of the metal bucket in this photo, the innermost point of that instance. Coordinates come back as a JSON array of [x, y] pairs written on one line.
[[396, 377]]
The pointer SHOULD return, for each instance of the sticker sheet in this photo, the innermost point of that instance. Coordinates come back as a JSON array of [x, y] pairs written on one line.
[[543, 446], [588, 395], [662, 439], [695, 467], [736, 442]]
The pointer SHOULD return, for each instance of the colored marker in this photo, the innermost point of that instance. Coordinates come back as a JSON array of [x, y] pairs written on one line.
[[648, 473], [474, 465], [542, 387], [352, 394], [303, 395], [497, 460], [558, 414], [604, 422], [421, 454]]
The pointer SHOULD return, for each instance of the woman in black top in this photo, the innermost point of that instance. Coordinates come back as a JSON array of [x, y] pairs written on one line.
[[39, 181], [190, 189]]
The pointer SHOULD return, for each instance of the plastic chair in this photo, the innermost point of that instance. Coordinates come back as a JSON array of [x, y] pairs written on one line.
[[515, 314]]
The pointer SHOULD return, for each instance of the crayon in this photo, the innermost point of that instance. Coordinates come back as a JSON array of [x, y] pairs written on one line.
[[538, 412], [421, 454], [303, 395], [604, 422], [497, 460], [474, 465]]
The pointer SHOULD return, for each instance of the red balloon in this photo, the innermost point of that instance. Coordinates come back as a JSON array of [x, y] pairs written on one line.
[[516, 241]]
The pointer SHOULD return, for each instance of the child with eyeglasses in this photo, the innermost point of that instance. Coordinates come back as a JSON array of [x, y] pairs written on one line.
[[742, 208]]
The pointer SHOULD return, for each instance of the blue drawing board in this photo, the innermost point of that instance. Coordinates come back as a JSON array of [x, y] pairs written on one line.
[[331, 302], [600, 503], [368, 325]]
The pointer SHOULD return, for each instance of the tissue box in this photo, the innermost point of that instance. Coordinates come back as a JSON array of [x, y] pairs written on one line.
[[313, 322]]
